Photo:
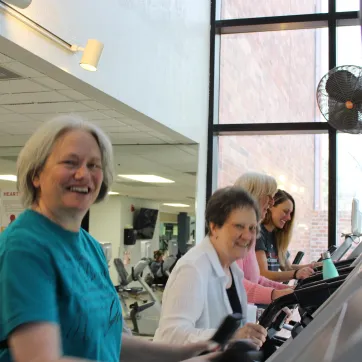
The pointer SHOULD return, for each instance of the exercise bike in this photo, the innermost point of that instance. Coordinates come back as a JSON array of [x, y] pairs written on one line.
[[144, 316]]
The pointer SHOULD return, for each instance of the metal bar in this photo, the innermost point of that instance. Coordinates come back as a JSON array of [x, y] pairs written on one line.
[[271, 128], [332, 163], [287, 22], [273, 27], [283, 19], [209, 171], [34, 25]]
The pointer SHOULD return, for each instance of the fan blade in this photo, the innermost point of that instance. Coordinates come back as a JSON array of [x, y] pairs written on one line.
[[341, 85], [343, 118], [356, 97]]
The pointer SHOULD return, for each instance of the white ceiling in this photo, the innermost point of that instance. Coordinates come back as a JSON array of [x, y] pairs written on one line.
[[140, 147]]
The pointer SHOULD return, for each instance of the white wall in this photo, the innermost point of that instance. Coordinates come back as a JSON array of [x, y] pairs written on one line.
[[107, 221], [104, 225], [156, 53], [156, 58]]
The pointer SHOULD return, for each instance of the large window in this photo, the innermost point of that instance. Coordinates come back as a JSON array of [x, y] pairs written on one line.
[[231, 9], [271, 77], [268, 57], [299, 163]]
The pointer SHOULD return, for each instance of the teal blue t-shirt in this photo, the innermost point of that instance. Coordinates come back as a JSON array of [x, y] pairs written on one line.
[[49, 274]]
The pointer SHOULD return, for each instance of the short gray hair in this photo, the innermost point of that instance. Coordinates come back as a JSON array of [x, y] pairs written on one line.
[[257, 184], [37, 149]]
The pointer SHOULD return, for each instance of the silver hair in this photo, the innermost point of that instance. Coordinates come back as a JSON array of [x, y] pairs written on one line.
[[37, 149], [257, 184]]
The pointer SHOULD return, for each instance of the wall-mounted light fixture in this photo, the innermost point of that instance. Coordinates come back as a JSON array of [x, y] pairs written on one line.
[[91, 54]]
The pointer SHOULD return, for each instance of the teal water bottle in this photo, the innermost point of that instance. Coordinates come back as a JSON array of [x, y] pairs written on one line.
[[329, 269]]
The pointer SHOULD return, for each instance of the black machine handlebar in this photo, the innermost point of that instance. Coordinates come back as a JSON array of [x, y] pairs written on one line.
[[298, 258], [338, 264], [313, 296], [319, 277], [318, 282]]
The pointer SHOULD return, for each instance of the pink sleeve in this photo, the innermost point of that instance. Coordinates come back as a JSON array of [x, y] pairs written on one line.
[[271, 283], [256, 293], [250, 266]]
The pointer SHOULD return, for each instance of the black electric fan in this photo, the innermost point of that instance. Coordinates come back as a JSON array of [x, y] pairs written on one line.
[[339, 96]]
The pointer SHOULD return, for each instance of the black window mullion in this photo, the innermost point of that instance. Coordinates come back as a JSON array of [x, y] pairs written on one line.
[[332, 163], [210, 136]]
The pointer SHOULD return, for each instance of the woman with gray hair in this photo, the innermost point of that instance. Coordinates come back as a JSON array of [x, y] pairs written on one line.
[[58, 303], [206, 283]]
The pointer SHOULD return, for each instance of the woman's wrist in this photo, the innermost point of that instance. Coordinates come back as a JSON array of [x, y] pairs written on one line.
[[272, 295], [295, 274]]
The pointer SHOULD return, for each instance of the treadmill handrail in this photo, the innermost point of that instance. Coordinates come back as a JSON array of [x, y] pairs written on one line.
[[298, 297]]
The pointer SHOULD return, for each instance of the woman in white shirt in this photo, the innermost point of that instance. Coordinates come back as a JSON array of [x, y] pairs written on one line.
[[206, 283]]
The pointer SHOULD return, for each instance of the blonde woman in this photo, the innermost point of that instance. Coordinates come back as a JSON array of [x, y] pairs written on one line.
[[272, 245], [259, 289]]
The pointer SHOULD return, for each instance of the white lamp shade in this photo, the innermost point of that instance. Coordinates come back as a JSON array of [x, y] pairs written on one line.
[[91, 54], [22, 4]]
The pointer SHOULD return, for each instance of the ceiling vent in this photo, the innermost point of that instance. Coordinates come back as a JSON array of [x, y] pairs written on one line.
[[6, 74]]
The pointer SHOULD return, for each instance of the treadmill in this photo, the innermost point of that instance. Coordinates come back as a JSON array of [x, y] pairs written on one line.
[[334, 329]]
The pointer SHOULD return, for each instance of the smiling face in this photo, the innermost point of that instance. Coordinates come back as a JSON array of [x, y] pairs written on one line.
[[72, 176], [282, 213], [238, 233]]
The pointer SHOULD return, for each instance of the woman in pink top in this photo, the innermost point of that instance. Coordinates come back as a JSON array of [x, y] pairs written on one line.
[[259, 289]]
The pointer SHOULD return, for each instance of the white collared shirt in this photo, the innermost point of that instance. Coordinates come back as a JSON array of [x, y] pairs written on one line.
[[195, 300]]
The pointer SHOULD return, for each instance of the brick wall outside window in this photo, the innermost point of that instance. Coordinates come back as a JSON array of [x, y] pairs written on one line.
[[272, 77]]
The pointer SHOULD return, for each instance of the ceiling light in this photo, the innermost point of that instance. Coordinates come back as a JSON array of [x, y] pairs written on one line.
[[147, 178], [282, 178], [113, 193], [177, 205], [8, 178], [91, 54]]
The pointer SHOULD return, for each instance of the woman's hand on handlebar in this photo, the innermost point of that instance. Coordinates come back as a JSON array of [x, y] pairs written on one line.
[[280, 293], [304, 273], [253, 332], [315, 264]]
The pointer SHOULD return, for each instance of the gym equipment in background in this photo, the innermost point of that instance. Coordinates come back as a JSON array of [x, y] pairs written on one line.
[[144, 317]]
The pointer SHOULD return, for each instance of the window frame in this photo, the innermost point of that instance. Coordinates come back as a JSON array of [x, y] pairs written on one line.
[[331, 20]]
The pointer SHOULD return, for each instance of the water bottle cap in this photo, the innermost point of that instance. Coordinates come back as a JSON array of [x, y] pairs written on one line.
[[326, 255]]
